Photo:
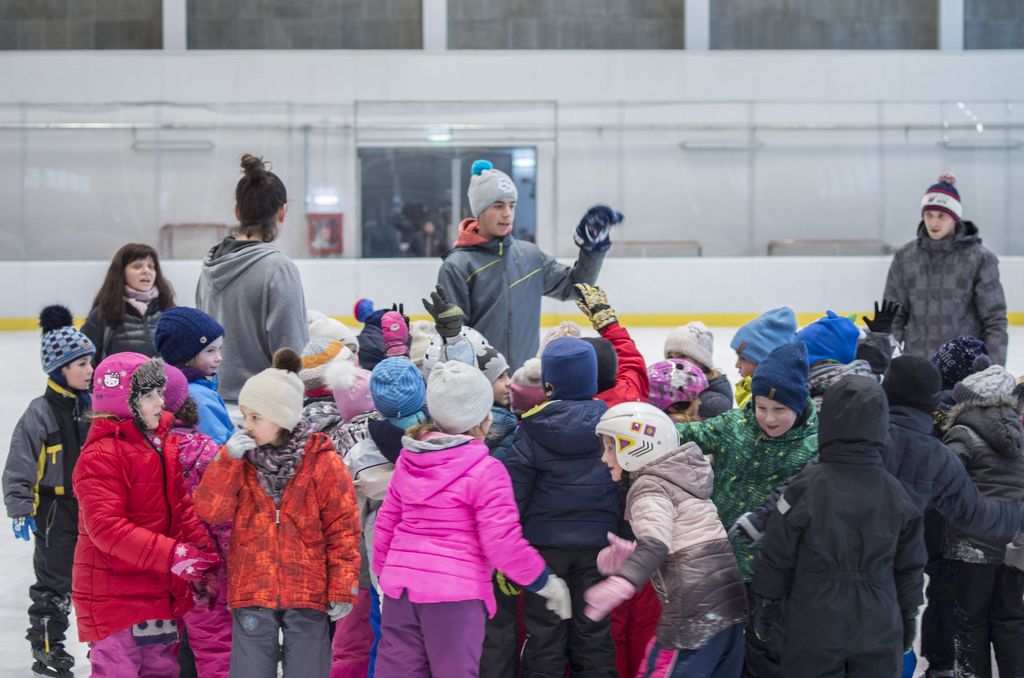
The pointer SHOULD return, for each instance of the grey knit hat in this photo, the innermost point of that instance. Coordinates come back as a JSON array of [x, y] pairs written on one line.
[[992, 382], [458, 396], [487, 186], [694, 341]]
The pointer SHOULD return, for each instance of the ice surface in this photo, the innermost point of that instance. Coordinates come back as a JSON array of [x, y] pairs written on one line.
[[24, 381]]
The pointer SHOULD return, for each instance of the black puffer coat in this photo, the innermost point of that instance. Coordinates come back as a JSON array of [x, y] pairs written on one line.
[[844, 548], [934, 478], [135, 333], [987, 436]]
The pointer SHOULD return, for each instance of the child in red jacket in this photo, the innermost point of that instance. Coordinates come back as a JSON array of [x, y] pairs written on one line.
[[140, 545], [621, 378]]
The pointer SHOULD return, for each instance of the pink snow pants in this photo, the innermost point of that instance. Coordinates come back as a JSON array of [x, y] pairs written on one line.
[[117, 656], [209, 634], [353, 636]]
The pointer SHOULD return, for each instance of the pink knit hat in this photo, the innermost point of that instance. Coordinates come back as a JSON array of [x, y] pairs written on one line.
[[675, 381], [350, 386], [396, 333], [112, 384], [176, 391], [527, 390]]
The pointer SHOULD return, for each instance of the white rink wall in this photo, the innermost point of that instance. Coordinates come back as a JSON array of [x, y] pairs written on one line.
[[652, 291]]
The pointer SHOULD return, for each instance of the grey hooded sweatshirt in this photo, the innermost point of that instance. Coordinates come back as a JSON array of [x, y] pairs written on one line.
[[255, 292]]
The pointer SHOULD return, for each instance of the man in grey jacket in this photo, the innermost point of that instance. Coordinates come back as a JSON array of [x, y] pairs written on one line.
[[946, 281], [498, 281]]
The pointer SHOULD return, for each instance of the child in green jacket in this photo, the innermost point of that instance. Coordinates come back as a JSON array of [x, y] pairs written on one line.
[[755, 449]]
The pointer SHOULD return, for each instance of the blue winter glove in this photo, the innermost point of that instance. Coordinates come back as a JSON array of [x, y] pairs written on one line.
[[24, 526], [593, 234]]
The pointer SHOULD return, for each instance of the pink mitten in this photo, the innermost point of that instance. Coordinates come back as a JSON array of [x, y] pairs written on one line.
[[396, 333], [189, 562], [611, 557], [602, 598]]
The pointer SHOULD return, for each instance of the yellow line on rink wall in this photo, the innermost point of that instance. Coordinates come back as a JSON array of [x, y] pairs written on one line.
[[1015, 318]]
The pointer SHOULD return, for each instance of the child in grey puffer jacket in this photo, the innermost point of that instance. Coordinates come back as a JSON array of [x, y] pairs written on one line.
[[984, 430]]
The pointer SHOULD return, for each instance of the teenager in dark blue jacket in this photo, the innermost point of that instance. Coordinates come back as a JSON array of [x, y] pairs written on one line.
[[568, 504]]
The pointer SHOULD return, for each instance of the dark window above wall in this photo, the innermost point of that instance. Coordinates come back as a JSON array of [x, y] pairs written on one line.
[[825, 24], [81, 24], [993, 24], [305, 24], [565, 24]]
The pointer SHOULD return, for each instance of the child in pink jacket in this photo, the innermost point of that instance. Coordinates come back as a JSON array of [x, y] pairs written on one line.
[[449, 519], [208, 624]]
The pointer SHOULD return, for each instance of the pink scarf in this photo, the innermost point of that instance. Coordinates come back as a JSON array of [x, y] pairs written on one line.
[[140, 300]]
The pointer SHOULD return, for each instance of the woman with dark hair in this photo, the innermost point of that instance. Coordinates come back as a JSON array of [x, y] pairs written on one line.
[[125, 310], [248, 285]]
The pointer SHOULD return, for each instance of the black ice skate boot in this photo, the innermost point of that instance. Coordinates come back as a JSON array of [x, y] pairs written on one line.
[[53, 662]]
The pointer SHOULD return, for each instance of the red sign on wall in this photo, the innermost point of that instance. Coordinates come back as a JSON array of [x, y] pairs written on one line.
[[326, 235]]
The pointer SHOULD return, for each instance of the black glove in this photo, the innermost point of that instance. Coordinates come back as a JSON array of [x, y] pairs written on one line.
[[593, 302], [447, 316], [909, 633], [748, 527], [594, 230], [882, 320], [400, 309], [766, 618]]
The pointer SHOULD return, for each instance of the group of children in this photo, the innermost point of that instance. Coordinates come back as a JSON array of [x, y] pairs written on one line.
[[405, 503]]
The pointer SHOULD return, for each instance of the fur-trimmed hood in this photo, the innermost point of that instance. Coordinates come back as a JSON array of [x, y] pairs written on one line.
[[993, 420]]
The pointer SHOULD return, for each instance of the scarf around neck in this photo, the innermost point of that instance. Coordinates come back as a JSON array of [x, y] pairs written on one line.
[[140, 300], [275, 466]]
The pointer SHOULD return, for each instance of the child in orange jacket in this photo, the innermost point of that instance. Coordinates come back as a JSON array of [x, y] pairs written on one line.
[[293, 561]]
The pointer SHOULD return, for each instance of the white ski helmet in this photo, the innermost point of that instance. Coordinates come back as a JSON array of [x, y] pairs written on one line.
[[642, 433]]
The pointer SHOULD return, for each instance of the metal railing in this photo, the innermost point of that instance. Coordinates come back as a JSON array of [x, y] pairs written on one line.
[[834, 247]]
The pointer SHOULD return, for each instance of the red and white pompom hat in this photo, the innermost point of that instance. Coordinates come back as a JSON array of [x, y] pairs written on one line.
[[943, 197]]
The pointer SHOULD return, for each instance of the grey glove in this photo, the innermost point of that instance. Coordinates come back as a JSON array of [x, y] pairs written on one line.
[[557, 593], [338, 610], [1014, 556], [749, 528], [239, 443]]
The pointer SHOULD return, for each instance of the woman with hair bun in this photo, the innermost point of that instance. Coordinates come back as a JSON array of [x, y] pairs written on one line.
[[249, 285]]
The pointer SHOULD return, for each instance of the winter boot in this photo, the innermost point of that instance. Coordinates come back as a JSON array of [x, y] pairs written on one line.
[[55, 662]]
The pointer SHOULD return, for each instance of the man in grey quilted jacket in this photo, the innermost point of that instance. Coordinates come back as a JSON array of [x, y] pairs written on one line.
[[498, 281], [946, 281]]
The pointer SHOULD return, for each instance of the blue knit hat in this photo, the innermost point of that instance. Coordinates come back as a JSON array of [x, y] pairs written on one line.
[[397, 388], [830, 338], [955, 359], [62, 343], [755, 340], [183, 332], [568, 369], [782, 376]]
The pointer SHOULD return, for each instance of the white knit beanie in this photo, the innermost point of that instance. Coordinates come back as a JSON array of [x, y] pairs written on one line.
[[694, 341], [566, 328], [325, 327], [458, 396], [276, 393]]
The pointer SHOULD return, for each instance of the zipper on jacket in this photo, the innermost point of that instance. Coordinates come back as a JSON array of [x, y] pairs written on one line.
[[163, 469], [277, 517]]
